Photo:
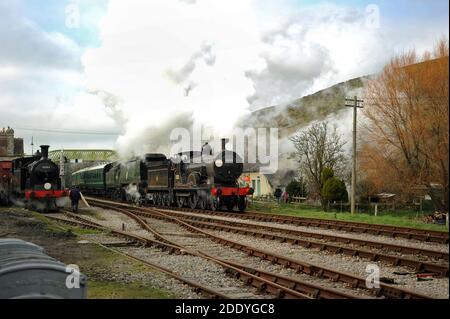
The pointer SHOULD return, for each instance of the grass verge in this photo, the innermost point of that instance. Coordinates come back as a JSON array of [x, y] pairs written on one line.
[[399, 218], [115, 290]]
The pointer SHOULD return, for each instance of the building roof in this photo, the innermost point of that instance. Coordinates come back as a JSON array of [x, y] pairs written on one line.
[[85, 155], [91, 168], [385, 195]]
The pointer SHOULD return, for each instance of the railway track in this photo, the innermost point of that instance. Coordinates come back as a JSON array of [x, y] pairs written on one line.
[[278, 234], [84, 223], [270, 280], [277, 285], [332, 238], [355, 227], [386, 290], [441, 237], [246, 229]]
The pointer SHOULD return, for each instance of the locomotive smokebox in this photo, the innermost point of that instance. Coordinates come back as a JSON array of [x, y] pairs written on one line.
[[44, 151]]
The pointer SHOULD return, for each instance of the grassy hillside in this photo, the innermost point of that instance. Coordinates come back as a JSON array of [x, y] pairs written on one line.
[[289, 118]]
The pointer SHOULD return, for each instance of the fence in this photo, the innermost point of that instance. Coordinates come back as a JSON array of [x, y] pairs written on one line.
[[344, 207]]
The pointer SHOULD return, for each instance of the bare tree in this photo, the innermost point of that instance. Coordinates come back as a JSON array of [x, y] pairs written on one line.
[[406, 125], [317, 148]]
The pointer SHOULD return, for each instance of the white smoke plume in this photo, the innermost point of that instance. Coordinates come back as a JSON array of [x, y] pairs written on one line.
[[174, 61], [210, 63], [113, 105], [133, 192]]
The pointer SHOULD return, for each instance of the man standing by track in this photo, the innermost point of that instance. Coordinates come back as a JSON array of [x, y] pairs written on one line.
[[75, 198], [277, 194]]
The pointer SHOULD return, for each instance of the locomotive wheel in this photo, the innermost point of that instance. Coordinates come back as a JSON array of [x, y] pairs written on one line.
[[167, 200], [242, 204], [180, 201], [213, 204], [202, 203], [158, 200], [123, 195], [230, 205], [193, 200]]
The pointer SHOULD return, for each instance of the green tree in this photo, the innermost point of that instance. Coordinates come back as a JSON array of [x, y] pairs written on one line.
[[334, 190], [297, 188], [326, 174]]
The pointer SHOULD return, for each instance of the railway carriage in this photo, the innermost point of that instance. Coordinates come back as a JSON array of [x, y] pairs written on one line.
[[113, 180], [91, 180]]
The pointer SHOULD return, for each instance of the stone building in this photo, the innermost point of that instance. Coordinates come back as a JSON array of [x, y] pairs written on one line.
[[10, 146], [258, 181]]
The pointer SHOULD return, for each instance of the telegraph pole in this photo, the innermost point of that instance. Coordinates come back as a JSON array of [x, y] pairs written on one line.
[[355, 104]]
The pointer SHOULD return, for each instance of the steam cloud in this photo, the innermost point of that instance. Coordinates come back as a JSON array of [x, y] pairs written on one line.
[[186, 65], [212, 62], [113, 105]]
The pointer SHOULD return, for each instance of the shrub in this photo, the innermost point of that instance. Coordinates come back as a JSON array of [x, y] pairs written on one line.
[[334, 190]]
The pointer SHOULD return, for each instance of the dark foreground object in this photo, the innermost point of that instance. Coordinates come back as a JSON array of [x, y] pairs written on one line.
[[27, 272]]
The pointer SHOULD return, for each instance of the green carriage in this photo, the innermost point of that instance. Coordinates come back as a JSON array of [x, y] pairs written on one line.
[[91, 180]]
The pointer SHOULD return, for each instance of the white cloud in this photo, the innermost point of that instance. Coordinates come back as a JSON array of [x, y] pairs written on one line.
[[315, 48], [40, 79], [23, 43]]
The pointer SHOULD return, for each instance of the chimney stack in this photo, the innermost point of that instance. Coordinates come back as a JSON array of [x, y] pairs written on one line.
[[44, 151], [224, 142]]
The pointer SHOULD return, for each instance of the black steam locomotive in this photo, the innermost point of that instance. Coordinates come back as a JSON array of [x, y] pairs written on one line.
[[193, 179], [33, 182]]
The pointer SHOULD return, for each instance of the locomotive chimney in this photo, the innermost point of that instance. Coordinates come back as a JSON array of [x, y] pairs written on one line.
[[44, 151], [224, 142]]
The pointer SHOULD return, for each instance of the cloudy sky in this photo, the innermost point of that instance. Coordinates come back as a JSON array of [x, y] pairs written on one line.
[[115, 73]]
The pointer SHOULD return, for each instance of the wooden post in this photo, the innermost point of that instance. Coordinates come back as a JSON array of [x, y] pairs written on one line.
[[355, 104], [84, 200]]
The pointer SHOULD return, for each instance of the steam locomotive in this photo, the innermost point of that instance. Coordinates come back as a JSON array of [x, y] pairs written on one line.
[[33, 182], [193, 179]]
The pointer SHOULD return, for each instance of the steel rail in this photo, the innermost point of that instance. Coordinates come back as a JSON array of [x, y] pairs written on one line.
[[306, 243], [357, 227], [311, 290], [386, 290], [89, 224], [333, 238], [248, 278]]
